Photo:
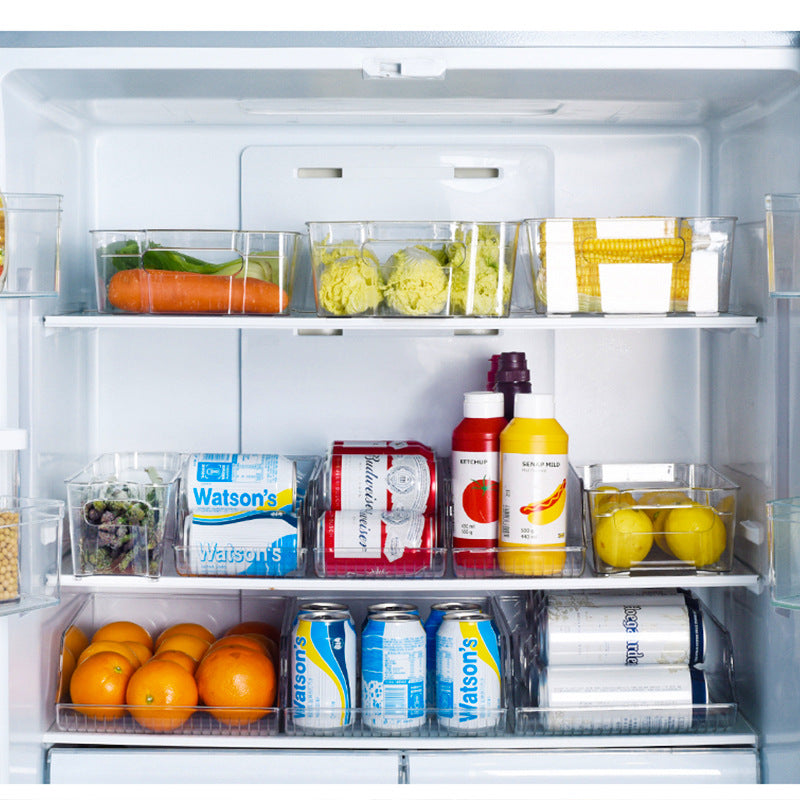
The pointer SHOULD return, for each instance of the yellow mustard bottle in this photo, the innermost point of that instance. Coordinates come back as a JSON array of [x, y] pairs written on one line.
[[533, 489]]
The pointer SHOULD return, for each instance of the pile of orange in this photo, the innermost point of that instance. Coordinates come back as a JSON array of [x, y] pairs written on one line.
[[161, 682]]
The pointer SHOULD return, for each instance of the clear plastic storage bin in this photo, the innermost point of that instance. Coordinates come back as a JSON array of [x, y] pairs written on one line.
[[123, 509], [509, 562], [30, 242], [413, 269], [195, 271], [783, 244], [353, 721], [583, 696], [783, 519], [156, 612], [30, 553], [666, 517], [631, 265]]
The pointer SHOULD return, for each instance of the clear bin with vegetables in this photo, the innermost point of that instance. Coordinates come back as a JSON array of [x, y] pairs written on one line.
[[413, 269], [631, 265], [195, 271], [123, 508]]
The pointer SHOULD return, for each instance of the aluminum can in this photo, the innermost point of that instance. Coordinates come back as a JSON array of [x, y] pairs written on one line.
[[227, 487], [393, 671], [389, 605], [625, 634], [649, 597], [431, 625], [320, 605], [468, 671], [374, 542], [388, 446], [323, 670], [651, 698], [380, 477]]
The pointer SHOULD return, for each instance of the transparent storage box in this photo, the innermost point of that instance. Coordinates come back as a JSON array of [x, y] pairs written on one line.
[[510, 562], [30, 242], [123, 509], [665, 517], [783, 519], [259, 543], [356, 721], [156, 612], [783, 244], [631, 265], [586, 695], [413, 269], [162, 271], [30, 550], [358, 543]]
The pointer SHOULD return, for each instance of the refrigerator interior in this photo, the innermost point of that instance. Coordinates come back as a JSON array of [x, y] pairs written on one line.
[[271, 137]]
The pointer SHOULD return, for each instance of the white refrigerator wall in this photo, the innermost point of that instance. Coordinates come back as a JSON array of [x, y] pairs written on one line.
[[220, 138]]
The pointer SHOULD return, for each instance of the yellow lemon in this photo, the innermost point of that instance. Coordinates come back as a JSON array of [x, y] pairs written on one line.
[[657, 504], [607, 499], [695, 534], [624, 538]]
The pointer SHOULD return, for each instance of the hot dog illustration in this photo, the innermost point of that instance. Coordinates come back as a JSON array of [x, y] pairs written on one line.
[[549, 509]]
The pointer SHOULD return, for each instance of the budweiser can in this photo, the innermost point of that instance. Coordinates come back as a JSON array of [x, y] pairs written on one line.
[[380, 476], [625, 633], [323, 670], [652, 698], [374, 542], [393, 671], [468, 672]]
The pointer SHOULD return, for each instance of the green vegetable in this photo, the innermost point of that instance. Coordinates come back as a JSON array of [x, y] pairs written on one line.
[[259, 266], [417, 284]]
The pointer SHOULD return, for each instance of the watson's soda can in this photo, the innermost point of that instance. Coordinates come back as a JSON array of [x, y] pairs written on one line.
[[631, 634], [388, 605], [320, 605], [431, 625], [652, 698], [375, 542], [468, 671], [323, 669], [381, 478], [227, 487], [393, 671]]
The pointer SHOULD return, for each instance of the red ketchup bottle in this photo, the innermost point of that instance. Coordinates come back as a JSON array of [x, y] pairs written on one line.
[[475, 481]]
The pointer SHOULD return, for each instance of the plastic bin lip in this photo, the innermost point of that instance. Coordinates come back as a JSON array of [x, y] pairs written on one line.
[[85, 476], [196, 230], [633, 217], [454, 221]]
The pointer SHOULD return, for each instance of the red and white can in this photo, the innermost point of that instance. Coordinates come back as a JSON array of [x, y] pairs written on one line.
[[381, 476], [374, 542]]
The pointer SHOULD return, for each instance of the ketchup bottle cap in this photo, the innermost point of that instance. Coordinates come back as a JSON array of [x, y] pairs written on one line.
[[483, 405]]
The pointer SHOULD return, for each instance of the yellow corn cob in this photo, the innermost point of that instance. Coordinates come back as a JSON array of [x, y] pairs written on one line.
[[591, 251]]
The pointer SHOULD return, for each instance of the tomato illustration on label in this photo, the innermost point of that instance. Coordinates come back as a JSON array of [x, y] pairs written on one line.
[[479, 501], [549, 509]]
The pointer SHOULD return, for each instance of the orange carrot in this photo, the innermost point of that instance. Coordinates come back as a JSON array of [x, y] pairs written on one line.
[[154, 290]]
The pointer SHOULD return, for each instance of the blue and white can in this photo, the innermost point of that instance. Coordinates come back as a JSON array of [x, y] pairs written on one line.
[[389, 605], [431, 625], [469, 672], [393, 671], [308, 606], [323, 670]]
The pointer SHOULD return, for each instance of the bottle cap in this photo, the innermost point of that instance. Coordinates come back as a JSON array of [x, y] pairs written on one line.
[[534, 406], [490, 376], [513, 361], [13, 439], [512, 376], [483, 405]]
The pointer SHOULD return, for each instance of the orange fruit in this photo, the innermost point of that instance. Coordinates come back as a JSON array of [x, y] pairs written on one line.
[[123, 631], [177, 657], [256, 626], [193, 628], [75, 639], [141, 651], [185, 642], [110, 647], [68, 664], [161, 695], [240, 640], [101, 678], [237, 684]]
